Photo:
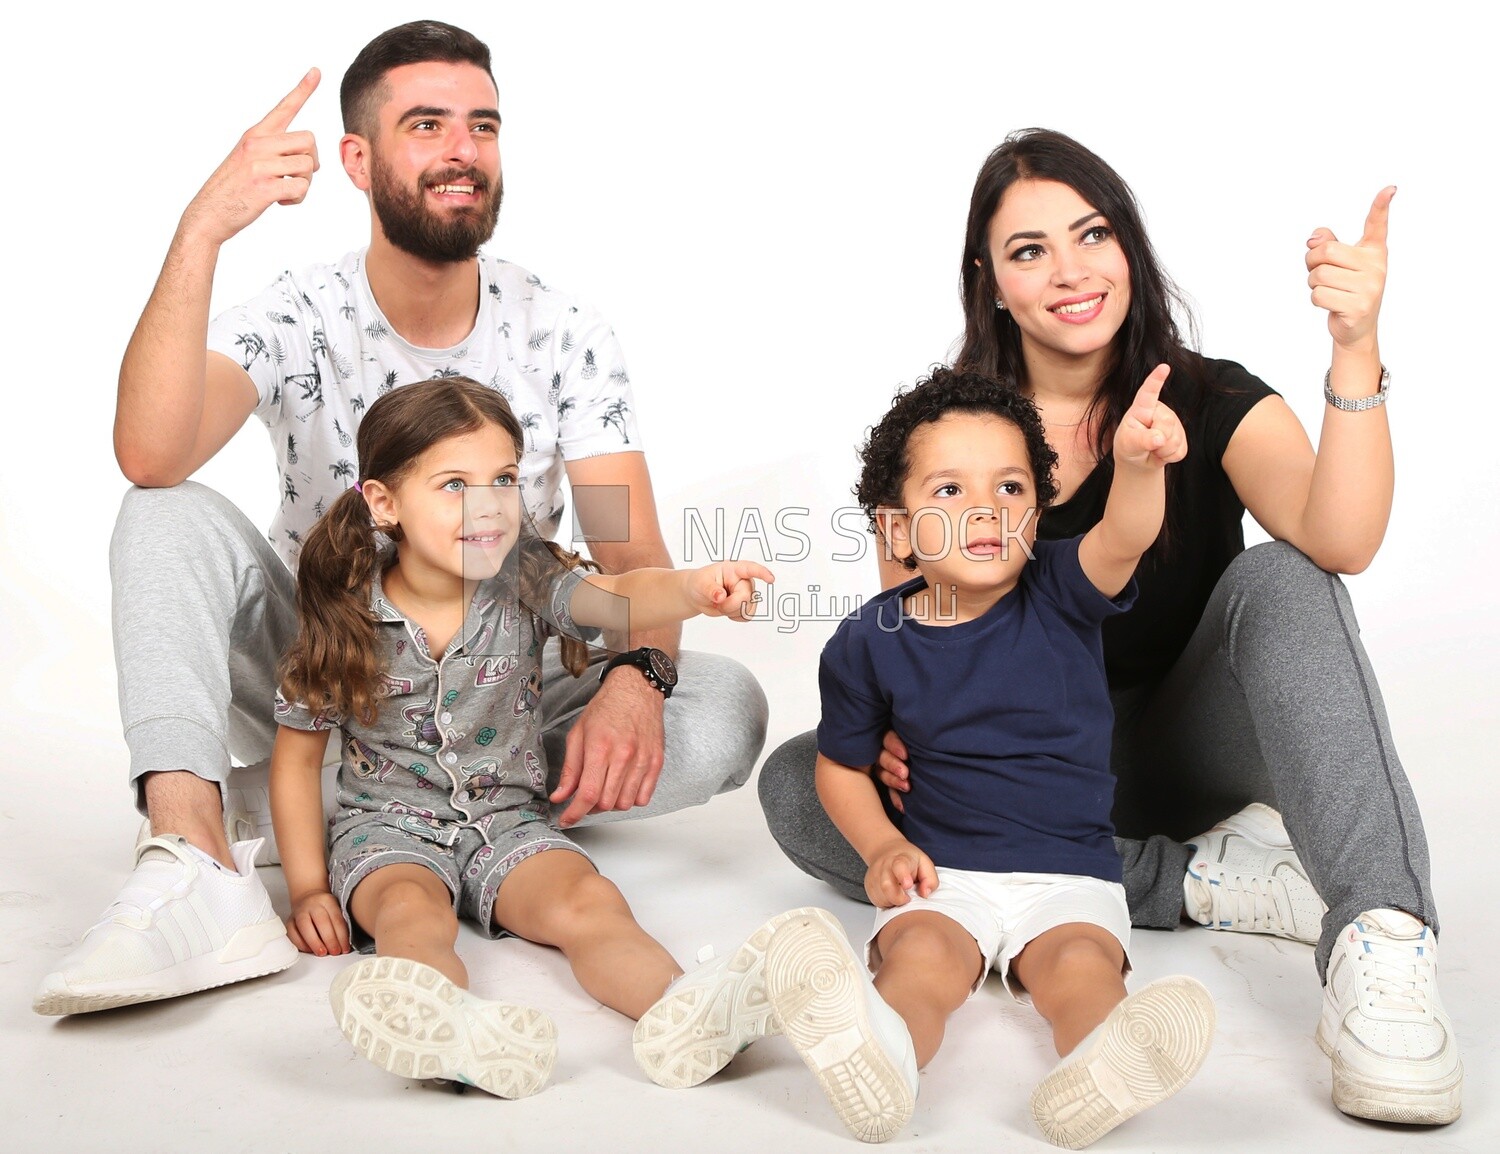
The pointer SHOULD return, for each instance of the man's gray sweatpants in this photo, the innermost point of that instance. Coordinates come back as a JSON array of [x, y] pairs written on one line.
[[1273, 700], [204, 608]]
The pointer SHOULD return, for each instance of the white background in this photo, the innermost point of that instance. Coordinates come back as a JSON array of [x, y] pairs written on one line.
[[768, 201], [769, 205]]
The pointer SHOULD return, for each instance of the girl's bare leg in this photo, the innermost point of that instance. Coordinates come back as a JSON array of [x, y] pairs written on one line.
[[558, 899], [408, 910], [407, 1019]]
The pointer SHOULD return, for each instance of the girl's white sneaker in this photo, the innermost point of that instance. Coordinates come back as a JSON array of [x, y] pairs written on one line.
[[708, 1016], [409, 1019]]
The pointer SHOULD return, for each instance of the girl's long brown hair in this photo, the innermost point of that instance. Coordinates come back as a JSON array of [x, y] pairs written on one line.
[[334, 665]]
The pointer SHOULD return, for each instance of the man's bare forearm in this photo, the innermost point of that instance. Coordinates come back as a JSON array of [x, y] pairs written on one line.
[[162, 376]]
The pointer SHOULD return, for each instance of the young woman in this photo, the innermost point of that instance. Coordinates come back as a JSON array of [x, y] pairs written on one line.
[[1238, 679]]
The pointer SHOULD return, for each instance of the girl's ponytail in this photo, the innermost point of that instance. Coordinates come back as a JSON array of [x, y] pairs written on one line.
[[540, 563], [333, 667]]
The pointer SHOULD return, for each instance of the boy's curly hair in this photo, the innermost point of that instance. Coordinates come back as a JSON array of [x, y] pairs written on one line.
[[884, 454]]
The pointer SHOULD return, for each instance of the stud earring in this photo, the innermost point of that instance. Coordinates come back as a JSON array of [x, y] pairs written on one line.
[[999, 304]]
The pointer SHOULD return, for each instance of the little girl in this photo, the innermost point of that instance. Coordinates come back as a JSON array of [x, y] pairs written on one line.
[[426, 657]]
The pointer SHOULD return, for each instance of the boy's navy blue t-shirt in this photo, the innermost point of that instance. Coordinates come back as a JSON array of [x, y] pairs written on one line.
[[1006, 718]]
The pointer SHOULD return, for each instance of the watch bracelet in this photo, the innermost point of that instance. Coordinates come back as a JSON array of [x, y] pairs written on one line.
[[1357, 404]]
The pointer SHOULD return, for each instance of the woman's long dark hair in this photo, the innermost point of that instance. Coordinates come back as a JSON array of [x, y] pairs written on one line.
[[1149, 335], [334, 664]]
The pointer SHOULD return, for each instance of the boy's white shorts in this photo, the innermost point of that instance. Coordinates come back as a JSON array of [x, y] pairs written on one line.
[[1003, 912]]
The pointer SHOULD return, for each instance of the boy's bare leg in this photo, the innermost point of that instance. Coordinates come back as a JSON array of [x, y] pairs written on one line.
[[928, 965], [1074, 974], [558, 899], [1135, 1052]]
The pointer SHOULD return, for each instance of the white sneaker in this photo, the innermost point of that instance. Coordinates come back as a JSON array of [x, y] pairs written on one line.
[[1245, 876], [409, 1019], [708, 1016], [1394, 1055], [857, 1046], [182, 923], [247, 809], [1146, 1050]]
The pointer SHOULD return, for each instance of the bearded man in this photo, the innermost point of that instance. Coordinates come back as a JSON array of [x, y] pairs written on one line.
[[204, 603]]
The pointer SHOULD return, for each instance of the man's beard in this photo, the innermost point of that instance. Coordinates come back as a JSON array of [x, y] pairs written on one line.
[[414, 228]]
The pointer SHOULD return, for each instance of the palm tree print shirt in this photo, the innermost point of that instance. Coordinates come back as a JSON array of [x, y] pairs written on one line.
[[320, 352]]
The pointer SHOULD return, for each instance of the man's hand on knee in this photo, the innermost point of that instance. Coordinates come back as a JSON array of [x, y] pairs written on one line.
[[614, 750]]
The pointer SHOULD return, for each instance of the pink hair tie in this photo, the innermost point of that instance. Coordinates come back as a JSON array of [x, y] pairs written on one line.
[[358, 488]]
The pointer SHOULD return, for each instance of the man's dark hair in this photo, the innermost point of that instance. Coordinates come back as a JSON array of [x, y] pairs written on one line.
[[884, 454], [363, 90]]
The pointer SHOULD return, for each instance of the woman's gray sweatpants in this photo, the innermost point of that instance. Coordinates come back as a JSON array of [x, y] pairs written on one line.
[[1273, 700], [204, 609]]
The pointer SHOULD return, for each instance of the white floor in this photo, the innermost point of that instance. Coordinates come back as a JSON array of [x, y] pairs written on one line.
[[262, 1067]]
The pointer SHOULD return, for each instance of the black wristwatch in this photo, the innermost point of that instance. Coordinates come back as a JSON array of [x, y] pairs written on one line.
[[655, 666]]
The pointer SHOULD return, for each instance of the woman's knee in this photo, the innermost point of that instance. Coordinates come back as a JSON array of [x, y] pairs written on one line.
[[1274, 590], [786, 785], [1276, 573]]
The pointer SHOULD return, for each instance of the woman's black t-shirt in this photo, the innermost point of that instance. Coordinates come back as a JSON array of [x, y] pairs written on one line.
[[1204, 521]]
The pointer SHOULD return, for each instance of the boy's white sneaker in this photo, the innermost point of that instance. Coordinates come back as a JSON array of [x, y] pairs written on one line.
[[1394, 1055], [1245, 876], [1146, 1050], [409, 1019], [708, 1016], [857, 1046], [182, 923]]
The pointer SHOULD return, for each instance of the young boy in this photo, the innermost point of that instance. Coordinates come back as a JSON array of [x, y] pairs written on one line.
[[990, 667]]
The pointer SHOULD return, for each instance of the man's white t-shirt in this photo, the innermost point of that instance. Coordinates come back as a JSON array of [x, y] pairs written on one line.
[[320, 352]]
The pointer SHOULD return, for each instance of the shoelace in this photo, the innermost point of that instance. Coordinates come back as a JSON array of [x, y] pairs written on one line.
[[1395, 973], [1250, 901]]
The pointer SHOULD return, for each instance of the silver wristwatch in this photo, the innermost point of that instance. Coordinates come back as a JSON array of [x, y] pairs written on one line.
[[1360, 404]]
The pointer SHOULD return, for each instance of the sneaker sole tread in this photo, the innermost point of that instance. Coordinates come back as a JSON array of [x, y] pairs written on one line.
[[411, 1021], [813, 982], [1144, 1056]]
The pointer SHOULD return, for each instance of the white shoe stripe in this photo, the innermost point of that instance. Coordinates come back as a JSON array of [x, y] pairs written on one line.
[[210, 933], [172, 933]]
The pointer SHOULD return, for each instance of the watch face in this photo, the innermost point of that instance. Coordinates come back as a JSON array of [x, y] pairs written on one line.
[[662, 667]]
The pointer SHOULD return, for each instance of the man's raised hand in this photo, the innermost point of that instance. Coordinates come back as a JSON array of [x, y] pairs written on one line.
[[270, 165]]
